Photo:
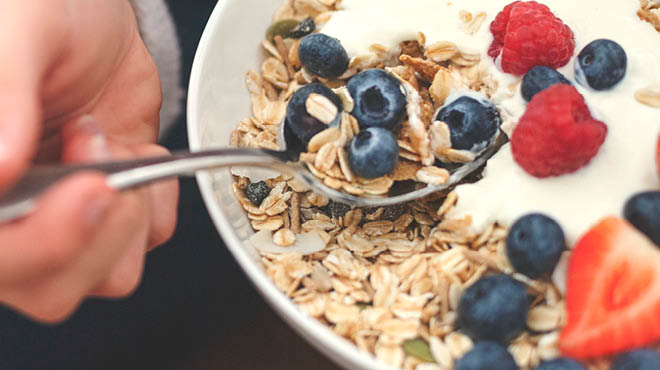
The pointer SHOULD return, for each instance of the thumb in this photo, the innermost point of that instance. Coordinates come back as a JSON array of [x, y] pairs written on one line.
[[20, 121], [26, 60]]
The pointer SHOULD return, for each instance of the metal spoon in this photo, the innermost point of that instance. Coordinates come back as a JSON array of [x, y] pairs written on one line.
[[23, 198]]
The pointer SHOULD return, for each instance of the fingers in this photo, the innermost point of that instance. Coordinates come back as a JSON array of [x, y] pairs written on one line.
[[56, 294], [84, 142], [163, 200], [26, 60], [67, 219]]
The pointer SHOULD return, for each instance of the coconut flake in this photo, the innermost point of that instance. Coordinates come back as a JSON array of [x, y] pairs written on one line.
[[307, 243]]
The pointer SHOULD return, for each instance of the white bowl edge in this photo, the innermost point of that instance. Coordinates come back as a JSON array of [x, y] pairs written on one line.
[[336, 348]]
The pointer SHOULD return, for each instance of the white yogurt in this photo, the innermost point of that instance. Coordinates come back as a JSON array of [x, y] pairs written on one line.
[[625, 163]]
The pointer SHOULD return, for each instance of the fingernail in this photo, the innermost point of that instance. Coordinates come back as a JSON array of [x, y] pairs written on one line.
[[89, 125], [98, 145], [98, 209]]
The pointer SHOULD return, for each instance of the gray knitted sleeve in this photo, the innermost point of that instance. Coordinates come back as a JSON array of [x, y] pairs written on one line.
[[158, 31]]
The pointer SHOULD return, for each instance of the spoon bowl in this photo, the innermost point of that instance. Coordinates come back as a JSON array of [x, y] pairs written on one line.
[[23, 198]]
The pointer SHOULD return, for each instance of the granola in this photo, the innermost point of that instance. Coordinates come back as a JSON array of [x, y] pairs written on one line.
[[388, 279]]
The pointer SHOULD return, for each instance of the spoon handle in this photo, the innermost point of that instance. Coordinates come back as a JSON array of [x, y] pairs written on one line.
[[22, 198]]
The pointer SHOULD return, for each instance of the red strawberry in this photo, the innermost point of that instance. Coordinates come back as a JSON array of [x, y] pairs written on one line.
[[613, 292], [557, 134], [528, 34]]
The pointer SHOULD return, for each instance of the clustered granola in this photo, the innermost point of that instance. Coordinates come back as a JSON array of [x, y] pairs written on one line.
[[388, 279]]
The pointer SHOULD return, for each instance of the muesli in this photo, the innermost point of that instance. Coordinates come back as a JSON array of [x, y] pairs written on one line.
[[433, 283]]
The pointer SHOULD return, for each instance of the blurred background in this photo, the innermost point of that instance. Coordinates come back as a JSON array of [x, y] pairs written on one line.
[[195, 309]]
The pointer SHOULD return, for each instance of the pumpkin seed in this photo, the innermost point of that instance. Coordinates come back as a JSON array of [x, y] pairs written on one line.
[[282, 28], [419, 349]]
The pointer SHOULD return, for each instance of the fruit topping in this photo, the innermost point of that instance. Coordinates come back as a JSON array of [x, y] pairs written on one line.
[[494, 308], [487, 356], [323, 55], [257, 192], [644, 359], [601, 64], [472, 123], [373, 153], [528, 34], [379, 99], [281, 28], [303, 29], [561, 364], [643, 212], [540, 78], [534, 245], [294, 146], [557, 134], [301, 122], [613, 292]]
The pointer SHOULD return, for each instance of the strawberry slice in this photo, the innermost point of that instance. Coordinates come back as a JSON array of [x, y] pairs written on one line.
[[613, 292]]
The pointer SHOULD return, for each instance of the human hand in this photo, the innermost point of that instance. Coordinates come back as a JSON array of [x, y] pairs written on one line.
[[77, 85]]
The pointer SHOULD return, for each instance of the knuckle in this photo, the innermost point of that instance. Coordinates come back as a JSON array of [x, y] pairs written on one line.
[[54, 308], [120, 286]]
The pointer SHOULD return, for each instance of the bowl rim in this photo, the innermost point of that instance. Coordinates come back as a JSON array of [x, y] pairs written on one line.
[[338, 349]]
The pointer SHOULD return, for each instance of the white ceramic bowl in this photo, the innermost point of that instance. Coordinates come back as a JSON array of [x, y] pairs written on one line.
[[217, 101]]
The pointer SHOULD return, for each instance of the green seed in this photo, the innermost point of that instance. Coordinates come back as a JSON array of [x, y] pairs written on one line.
[[282, 28], [418, 348], [363, 306]]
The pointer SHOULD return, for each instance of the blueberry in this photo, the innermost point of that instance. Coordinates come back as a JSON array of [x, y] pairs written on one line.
[[304, 28], [601, 64], [373, 153], [257, 192], [540, 78], [294, 146], [487, 356], [561, 364], [379, 101], [643, 211], [323, 55], [644, 359], [494, 308], [472, 123], [302, 124], [534, 245]]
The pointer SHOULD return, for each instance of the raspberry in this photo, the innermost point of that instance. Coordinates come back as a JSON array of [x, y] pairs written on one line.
[[528, 34], [557, 134]]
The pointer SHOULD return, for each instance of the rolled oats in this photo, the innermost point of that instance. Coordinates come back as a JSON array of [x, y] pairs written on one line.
[[284, 237], [649, 96], [383, 280]]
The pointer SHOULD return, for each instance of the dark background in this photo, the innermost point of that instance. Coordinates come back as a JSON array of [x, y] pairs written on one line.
[[195, 309]]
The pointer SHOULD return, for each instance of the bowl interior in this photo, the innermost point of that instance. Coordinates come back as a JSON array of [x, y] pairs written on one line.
[[217, 101]]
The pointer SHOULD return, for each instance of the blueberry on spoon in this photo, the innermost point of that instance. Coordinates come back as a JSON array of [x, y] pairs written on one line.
[[373, 153], [472, 123], [379, 100], [301, 123]]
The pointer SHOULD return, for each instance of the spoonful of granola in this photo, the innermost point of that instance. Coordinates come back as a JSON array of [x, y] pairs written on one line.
[[24, 197]]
